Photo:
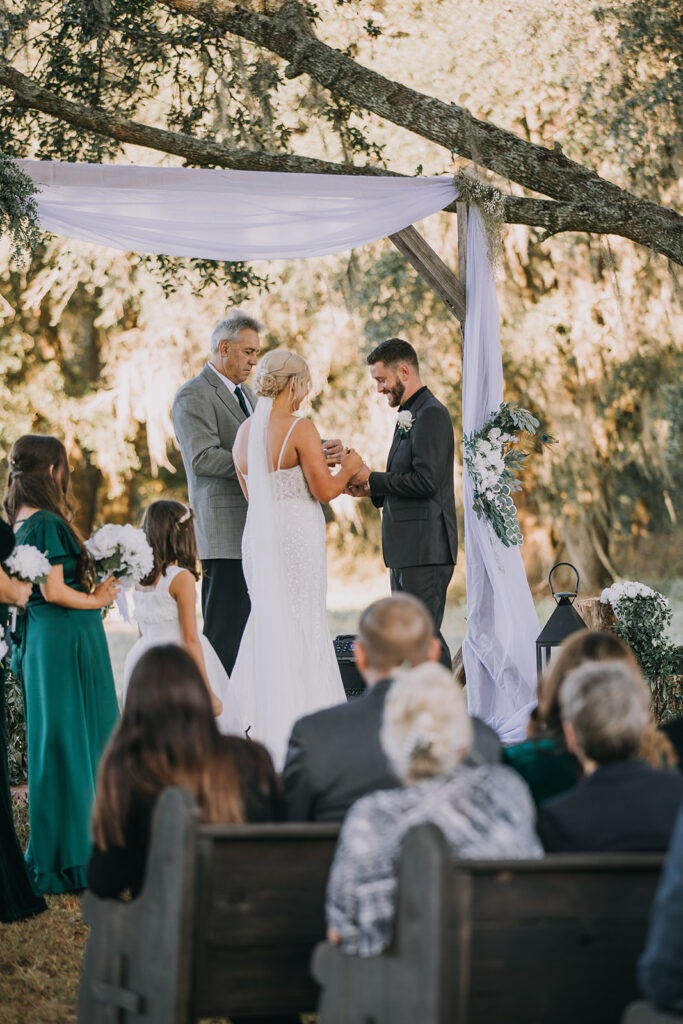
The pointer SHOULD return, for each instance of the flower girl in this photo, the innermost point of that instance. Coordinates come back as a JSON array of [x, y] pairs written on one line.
[[166, 599]]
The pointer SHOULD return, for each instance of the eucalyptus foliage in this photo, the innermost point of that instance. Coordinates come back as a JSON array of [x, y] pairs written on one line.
[[18, 211], [493, 462]]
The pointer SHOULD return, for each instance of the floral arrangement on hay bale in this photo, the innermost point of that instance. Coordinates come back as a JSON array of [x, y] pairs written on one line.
[[642, 618]]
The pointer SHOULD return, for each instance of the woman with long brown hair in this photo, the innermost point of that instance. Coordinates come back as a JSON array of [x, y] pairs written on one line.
[[168, 736], [63, 662]]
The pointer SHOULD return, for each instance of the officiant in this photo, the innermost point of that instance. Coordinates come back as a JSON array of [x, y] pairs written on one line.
[[207, 413]]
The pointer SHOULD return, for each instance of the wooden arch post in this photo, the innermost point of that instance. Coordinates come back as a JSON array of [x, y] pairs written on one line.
[[431, 267]]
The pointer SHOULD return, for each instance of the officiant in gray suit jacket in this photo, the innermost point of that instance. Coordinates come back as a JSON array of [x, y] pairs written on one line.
[[207, 413], [415, 493]]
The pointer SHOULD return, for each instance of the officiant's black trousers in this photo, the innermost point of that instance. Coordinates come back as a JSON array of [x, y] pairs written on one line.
[[429, 583], [225, 607]]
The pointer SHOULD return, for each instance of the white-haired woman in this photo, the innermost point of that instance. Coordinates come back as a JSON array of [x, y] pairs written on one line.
[[286, 666], [622, 803], [484, 812]]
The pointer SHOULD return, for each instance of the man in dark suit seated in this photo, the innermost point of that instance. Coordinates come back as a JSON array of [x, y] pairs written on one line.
[[622, 804], [335, 755]]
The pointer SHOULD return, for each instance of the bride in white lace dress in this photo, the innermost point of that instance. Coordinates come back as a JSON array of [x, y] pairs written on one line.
[[286, 666]]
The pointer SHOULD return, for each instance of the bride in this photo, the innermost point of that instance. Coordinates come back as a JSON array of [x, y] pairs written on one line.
[[286, 666]]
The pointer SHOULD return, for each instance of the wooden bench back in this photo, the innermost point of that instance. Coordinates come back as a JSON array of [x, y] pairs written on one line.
[[556, 940], [260, 912], [225, 923], [478, 942]]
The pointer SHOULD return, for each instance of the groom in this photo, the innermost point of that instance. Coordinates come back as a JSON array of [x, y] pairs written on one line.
[[419, 528]]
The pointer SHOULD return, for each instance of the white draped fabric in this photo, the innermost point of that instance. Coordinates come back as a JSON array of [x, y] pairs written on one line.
[[228, 215], [499, 652], [249, 215]]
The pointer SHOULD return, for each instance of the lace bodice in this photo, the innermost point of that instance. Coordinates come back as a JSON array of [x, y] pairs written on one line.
[[289, 484]]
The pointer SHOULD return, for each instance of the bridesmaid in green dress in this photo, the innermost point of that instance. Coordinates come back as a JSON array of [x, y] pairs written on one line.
[[63, 662], [18, 896]]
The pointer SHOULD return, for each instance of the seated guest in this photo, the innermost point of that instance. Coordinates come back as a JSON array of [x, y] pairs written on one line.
[[484, 811], [622, 803], [673, 730], [543, 760], [167, 736], [335, 755], [660, 969]]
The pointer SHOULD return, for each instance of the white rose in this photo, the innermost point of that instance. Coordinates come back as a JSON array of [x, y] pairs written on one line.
[[405, 420]]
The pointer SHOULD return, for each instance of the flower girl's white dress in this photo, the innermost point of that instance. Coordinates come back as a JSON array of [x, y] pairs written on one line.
[[156, 613]]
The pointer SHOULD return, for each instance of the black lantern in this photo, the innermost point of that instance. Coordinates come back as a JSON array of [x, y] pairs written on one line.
[[564, 621]]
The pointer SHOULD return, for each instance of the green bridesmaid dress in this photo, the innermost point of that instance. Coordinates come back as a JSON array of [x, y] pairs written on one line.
[[18, 896], [63, 662]]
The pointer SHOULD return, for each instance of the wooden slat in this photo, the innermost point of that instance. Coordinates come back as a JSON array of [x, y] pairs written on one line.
[[257, 980], [432, 268]]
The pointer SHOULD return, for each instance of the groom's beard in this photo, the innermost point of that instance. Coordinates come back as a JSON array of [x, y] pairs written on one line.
[[395, 394]]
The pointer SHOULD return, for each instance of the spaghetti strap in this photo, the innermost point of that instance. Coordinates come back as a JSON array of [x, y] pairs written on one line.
[[284, 443]]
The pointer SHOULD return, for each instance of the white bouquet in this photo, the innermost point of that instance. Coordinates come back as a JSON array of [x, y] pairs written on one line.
[[29, 564], [122, 552], [4, 646]]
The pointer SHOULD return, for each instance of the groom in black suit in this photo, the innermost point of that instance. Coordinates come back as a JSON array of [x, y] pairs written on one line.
[[419, 528]]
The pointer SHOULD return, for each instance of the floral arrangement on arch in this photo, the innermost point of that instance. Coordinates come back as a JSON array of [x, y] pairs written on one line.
[[492, 461], [643, 616]]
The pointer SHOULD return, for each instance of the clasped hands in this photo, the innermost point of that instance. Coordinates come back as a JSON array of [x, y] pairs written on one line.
[[336, 454]]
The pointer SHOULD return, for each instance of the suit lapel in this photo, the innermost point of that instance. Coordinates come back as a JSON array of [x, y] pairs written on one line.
[[394, 447], [222, 392], [397, 433]]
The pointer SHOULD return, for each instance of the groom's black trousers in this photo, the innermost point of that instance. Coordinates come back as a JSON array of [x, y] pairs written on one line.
[[429, 583], [225, 607]]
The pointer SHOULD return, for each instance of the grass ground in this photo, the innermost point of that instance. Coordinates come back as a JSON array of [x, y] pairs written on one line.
[[40, 959]]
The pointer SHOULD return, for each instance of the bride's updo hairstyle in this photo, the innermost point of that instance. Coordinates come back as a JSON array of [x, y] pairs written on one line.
[[282, 369]]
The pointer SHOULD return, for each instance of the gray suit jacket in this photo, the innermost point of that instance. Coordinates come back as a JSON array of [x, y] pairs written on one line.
[[416, 492], [206, 419], [335, 757]]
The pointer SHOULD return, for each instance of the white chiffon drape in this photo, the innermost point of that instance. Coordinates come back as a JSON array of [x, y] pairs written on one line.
[[502, 624], [286, 665]]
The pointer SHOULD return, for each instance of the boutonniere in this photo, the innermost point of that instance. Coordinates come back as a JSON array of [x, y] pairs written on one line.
[[404, 422]]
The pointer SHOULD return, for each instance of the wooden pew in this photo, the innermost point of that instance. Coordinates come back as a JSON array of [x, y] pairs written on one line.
[[225, 924], [512, 942]]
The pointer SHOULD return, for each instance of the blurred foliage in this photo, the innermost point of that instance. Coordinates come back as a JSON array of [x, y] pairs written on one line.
[[93, 344]]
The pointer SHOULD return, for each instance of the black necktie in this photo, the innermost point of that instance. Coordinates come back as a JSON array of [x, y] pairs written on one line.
[[241, 399]]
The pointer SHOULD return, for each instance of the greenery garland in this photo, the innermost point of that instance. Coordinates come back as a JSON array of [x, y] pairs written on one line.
[[18, 210]]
